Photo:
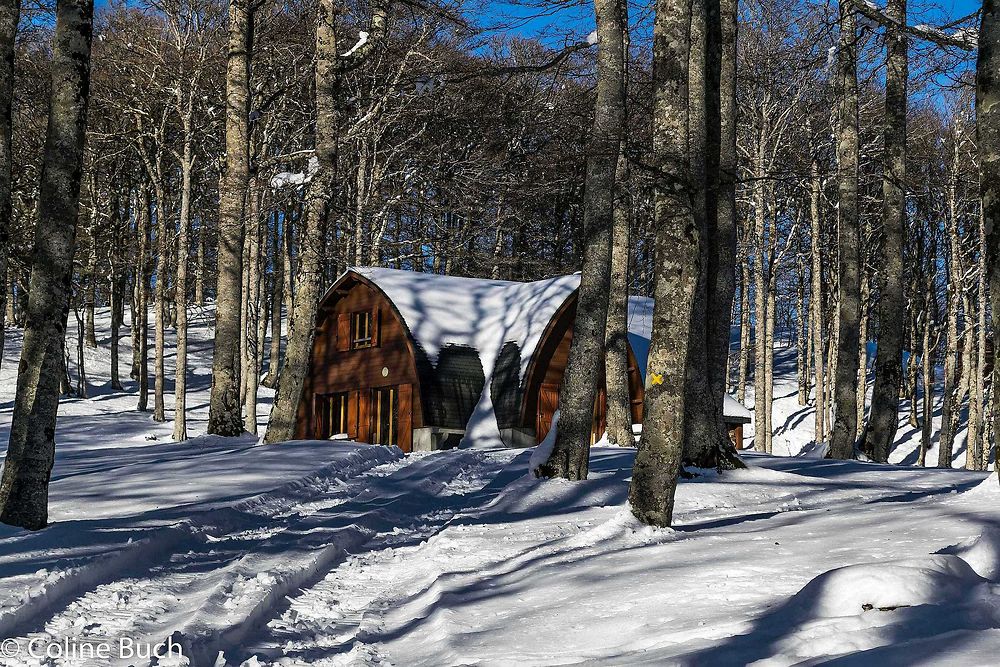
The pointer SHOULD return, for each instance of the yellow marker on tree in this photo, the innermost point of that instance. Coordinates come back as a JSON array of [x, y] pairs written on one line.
[[655, 379]]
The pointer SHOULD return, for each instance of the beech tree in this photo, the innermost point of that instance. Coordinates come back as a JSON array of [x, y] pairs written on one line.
[[31, 447], [570, 454]]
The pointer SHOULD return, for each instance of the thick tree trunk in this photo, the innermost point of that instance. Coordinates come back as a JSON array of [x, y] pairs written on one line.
[[845, 387], [571, 453], [10, 13], [712, 112], [977, 443], [760, 302], [224, 416], [988, 140], [678, 254], [619, 411], [31, 447], [884, 418]]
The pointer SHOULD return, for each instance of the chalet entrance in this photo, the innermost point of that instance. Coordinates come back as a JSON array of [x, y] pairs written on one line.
[[385, 416], [380, 416], [548, 403]]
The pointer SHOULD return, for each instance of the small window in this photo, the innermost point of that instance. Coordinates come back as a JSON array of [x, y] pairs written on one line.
[[361, 330]]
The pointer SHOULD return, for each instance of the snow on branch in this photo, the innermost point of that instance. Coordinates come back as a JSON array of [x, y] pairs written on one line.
[[362, 40], [965, 39]]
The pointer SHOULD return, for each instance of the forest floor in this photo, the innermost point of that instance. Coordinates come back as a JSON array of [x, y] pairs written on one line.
[[331, 553]]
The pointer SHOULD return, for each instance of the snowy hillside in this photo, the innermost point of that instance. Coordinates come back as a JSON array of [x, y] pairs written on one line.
[[323, 553]]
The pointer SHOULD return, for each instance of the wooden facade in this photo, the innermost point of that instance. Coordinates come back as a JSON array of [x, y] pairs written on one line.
[[362, 379], [545, 375]]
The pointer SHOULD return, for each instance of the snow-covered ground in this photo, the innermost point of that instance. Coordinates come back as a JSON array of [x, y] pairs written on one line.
[[331, 553]]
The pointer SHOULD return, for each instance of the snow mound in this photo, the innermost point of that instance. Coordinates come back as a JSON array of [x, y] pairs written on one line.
[[982, 553], [624, 529], [855, 589], [544, 449]]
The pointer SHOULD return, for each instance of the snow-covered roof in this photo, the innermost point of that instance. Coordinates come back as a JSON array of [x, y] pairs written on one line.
[[640, 327], [482, 314]]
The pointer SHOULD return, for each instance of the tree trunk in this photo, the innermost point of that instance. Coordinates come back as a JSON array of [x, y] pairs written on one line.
[[619, 410], [199, 272], [884, 418], [308, 269], [180, 286], [712, 133], [744, 359], [10, 13], [142, 277], [678, 253], [277, 297], [816, 296], [224, 416], [988, 140], [81, 363], [571, 453], [160, 311], [252, 320], [952, 380], [31, 448], [845, 389], [760, 301]]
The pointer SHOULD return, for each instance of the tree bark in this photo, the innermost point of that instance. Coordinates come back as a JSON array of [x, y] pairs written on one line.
[[160, 311], [277, 296], [571, 453], [31, 447], [142, 279], [181, 284], [988, 140], [816, 296], [224, 417], [678, 254], [10, 14], [619, 411], [884, 417], [845, 387]]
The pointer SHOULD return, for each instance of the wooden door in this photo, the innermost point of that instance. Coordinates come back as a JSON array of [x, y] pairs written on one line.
[[600, 422], [548, 403], [405, 438]]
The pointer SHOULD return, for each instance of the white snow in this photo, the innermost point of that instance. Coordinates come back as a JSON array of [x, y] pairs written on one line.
[[331, 553], [362, 40]]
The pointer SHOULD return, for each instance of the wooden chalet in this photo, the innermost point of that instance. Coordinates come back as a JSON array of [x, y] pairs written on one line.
[[419, 360]]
